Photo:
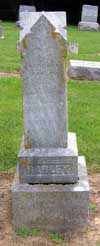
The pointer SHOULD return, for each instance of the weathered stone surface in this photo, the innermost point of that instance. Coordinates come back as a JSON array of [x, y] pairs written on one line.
[[51, 207], [84, 70], [26, 8], [58, 19], [89, 13], [25, 15], [48, 153], [44, 51], [73, 48], [89, 18], [88, 26], [59, 165]]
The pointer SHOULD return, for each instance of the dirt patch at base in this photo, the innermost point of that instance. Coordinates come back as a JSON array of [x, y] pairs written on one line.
[[90, 237]]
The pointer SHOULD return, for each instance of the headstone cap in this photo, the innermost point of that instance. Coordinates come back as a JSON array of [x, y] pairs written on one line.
[[56, 19]]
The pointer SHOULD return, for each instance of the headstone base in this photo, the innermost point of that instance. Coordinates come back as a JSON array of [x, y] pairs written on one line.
[[88, 26], [49, 165], [55, 208], [84, 70]]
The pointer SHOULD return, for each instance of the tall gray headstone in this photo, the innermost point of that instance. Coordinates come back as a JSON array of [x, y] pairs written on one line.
[[48, 153], [44, 85], [89, 18], [44, 50]]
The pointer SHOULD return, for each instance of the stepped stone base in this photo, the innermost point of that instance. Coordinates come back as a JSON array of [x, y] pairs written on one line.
[[51, 207], [88, 26]]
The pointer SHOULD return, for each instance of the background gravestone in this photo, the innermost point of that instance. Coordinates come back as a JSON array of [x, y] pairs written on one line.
[[89, 13], [89, 18], [24, 14], [26, 8], [1, 30], [48, 153]]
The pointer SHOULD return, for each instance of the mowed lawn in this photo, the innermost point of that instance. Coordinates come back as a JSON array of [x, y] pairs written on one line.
[[83, 100], [9, 56], [89, 44], [84, 119]]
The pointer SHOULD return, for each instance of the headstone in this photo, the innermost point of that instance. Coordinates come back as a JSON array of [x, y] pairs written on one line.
[[1, 31], [25, 13], [48, 153], [84, 70], [89, 18], [89, 13], [26, 8]]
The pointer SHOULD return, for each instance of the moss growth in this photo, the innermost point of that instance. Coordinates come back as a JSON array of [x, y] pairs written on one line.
[[24, 43]]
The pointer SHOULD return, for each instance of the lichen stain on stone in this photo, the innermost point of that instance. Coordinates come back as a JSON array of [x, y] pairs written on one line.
[[54, 34], [27, 143], [24, 43], [21, 54], [25, 163], [27, 146]]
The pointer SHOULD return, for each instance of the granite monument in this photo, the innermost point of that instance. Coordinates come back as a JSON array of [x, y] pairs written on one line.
[[89, 18], [50, 190]]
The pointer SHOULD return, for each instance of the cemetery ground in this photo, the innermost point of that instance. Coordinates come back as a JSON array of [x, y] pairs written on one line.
[[84, 102]]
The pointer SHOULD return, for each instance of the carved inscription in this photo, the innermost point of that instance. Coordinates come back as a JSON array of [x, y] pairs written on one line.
[[48, 169]]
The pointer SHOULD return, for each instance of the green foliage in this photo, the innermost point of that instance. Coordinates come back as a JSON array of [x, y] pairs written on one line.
[[28, 233], [92, 207], [55, 237]]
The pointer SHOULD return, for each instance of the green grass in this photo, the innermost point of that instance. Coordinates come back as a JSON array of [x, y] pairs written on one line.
[[98, 243], [84, 119], [9, 56], [92, 207], [55, 237], [10, 122], [89, 44]]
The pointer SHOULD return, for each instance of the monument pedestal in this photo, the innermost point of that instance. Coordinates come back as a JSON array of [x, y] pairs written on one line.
[[51, 207], [88, 26], [49, 165]]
